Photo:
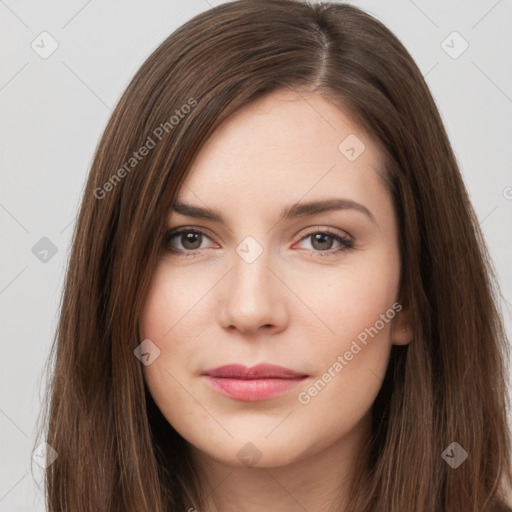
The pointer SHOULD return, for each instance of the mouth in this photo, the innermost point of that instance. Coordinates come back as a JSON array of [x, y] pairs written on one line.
[[260, 382]]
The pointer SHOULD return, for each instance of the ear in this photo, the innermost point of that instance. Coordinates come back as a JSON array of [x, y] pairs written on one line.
[[401, 328]]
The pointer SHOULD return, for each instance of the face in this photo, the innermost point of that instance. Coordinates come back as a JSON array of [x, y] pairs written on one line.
[[253, 276]]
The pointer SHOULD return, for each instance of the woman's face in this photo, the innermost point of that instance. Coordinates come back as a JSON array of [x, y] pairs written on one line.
[[257, 277]]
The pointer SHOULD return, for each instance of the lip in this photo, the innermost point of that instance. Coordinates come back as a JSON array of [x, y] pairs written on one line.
[[260, 382]]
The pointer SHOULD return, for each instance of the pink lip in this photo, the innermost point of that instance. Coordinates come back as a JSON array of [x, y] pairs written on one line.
[[260, 382]]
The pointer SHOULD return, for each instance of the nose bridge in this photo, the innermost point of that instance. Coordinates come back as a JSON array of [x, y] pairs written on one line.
[[250, 283], [251, 295]]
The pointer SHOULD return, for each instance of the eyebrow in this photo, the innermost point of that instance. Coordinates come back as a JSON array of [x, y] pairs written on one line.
[[291, 212]]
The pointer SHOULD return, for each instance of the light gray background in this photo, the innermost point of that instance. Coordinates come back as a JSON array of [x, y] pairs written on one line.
[[54, 110]]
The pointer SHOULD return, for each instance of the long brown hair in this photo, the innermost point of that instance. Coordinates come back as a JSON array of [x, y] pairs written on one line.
[[115, 449]]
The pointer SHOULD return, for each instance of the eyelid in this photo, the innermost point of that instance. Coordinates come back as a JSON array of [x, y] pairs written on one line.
[[311, 230]]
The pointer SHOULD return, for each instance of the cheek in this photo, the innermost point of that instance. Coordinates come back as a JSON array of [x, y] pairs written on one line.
[[164, 311], [356, 308], [164, 321], [170, 320], [172, 300], [351, 364], [342, 303]]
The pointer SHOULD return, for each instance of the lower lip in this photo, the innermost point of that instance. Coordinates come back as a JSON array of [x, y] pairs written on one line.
[[254, 389]]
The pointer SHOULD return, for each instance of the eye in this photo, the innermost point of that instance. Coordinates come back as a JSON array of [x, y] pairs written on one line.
[[186, 242], [322, 241], [187, 239]]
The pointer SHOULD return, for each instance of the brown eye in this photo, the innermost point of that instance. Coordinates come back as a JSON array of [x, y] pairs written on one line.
[[184, 240], [190, 240], [325, 242]]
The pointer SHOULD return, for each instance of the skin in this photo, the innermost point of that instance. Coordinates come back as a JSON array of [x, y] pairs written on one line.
[[291, 307]]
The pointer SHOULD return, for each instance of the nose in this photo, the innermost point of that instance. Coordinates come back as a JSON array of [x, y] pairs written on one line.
[[252, 298]]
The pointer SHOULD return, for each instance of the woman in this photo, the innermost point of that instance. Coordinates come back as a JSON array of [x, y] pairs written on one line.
[[278, 296]]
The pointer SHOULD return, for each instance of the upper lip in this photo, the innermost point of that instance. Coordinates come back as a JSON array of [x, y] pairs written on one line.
[[260, 371]]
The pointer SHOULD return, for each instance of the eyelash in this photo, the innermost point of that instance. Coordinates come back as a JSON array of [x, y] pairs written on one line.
[[345, 243]]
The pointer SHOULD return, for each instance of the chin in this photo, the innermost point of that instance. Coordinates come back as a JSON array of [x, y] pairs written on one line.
[[255, 454]]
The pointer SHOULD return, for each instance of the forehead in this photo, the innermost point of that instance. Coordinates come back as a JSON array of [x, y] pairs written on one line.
[[284, 146]]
